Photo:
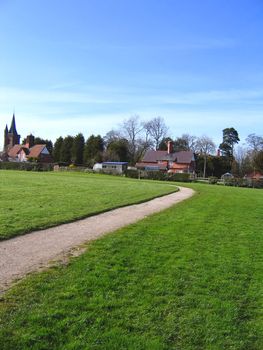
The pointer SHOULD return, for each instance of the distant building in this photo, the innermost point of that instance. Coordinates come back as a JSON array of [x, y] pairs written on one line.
[[15, 152], [111, 167], [168, 161], [256, 175], [11, 136]]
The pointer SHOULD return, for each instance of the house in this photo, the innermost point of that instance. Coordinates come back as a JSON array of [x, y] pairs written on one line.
[[14, 152], [168, 161], [21, 153], [111, 167], [256, 175], [18, 153]]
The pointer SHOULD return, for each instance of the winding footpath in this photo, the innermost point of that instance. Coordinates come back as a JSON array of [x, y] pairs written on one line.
[[30, 252]]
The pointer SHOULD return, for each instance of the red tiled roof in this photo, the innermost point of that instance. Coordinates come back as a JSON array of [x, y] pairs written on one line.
[[184, 157], [153, 156], [12, 153], [255, 175], [36, 150]]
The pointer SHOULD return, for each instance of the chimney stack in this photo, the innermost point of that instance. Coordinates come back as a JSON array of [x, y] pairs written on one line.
[[30, 141], [169, 147]]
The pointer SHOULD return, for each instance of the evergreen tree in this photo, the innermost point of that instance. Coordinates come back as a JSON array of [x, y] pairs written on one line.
[[118, 150], [48, 143], [180, 144], [230, 138], [93, 150], [163, 144], [66, 150], [57, 149], [78, 149]]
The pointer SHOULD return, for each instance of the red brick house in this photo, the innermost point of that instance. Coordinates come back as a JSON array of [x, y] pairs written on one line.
[[168, 161], [21, 153], [256, 175]]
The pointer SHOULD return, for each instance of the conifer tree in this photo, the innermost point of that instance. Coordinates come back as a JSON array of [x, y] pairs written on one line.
[[78, 149], [93, 150], [57, 149], [66, 150]]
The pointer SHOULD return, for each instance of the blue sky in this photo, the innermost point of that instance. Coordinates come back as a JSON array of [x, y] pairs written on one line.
[[85, 66]]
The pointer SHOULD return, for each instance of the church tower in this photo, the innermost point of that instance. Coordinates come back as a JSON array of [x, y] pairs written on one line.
[[11, 136]]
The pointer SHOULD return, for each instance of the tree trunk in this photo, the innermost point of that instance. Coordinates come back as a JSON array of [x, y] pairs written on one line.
[[204, 172]]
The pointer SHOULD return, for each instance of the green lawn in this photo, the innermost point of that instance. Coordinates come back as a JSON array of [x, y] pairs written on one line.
[[187, 278], [31, 200]]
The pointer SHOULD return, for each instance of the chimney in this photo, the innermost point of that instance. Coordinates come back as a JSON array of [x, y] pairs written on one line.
[[30, 141], [218, 152], [169, 147]]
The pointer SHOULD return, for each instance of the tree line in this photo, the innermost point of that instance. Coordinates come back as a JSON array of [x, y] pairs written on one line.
[[133, 137]]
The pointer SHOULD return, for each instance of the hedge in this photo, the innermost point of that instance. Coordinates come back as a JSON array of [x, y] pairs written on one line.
[[158, 175], [28, 166], [241, 182]]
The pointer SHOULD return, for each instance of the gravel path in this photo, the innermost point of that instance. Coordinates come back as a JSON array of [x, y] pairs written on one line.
[[30, 252]]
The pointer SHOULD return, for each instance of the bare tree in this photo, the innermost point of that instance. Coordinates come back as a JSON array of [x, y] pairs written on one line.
[[255, 142], [244, 160], [157, 130], [137, 135], [190, 141], [205, 146], [111, 136]]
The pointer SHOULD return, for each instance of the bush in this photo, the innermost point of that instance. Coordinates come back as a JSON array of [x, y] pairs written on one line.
[[257, 183], [212, 180], [180, 177], [28, 166], [134, 174], [241, 182], [158, 175]]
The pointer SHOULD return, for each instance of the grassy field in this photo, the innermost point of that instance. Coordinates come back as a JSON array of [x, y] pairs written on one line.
[[187, 278], [31, 200]]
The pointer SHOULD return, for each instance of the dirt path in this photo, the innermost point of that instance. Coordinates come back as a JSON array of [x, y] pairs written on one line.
[[24, 254]]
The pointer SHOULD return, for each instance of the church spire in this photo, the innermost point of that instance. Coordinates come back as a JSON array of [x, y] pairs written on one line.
[[12, 129], [11, 136]]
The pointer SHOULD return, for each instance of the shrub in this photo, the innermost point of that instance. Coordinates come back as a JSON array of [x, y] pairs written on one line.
[[134, 174], [180, 177], [158, 175], [241, 182], [28, 166], [212, 180]]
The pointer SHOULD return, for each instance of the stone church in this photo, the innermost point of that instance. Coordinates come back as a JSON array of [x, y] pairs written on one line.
[[11, 137]]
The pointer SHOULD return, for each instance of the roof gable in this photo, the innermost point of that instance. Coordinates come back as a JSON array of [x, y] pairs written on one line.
[[13, 152], [36, 150]]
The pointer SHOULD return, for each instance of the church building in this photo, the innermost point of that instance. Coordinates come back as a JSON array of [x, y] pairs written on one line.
[[11, 137]]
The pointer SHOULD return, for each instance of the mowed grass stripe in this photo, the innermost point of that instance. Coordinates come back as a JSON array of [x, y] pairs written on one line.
[[187, 278], [30, 201]]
